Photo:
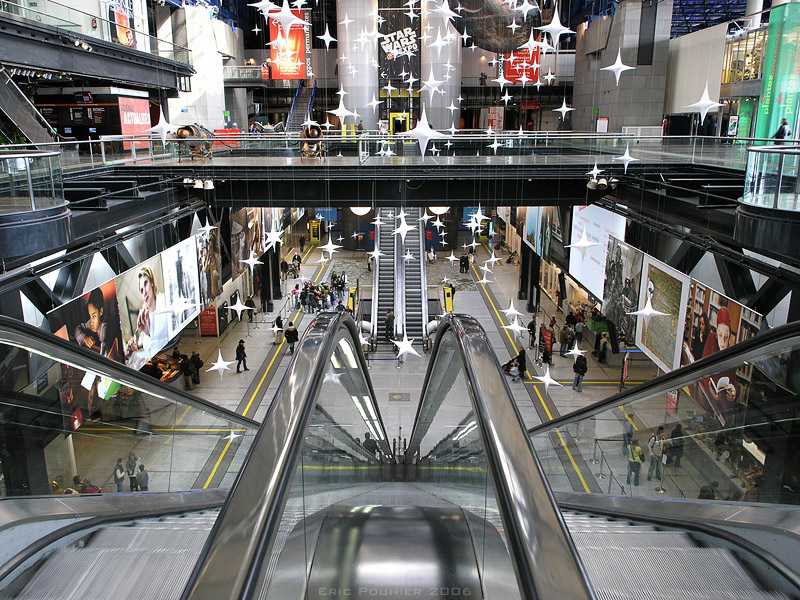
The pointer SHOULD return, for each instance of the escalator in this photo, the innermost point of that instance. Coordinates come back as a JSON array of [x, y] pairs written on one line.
[[415, 277], [20, 111], [477, 507], [383, 289], [301, 107]]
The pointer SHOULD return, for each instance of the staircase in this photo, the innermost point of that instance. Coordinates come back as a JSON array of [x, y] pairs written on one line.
[[150, 558], [16, 106], [414, 275], [625, 561], [301, 108], [386, 274]]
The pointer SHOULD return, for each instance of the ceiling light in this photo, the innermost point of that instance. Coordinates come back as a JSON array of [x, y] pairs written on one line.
[[198, 184], [208, 184], [360, 210], [438, 210], [592, 184]]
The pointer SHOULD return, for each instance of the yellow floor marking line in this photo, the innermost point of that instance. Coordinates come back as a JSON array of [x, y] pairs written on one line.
[[263, 379]]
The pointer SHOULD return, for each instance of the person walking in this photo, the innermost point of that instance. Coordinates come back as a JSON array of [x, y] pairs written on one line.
[[119, 475], [291, 336], [627, 434], [635, 460], [580, 367], [532, 332], [284, 270], [655, 447], [302, 241], [131, 467], [676, 444], [388, 322], [563, 341], [603, 349], [783, 132], [580, 326], [241, 357]]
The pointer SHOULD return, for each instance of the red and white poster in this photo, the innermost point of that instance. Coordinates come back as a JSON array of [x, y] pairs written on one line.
[[290, 54], [522, 66], [495, 117], [134, 117], [208, 321]]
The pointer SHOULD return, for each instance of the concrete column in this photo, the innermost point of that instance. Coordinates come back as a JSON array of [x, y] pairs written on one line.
[[755, 6], [358, 75], [436, 107]]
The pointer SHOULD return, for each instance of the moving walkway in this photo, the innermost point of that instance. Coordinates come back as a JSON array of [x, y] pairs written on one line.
[[470, 511]]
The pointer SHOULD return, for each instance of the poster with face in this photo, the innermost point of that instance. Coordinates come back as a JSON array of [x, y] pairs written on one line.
[[210, 264], [621, 290], [715, 322], [255, 231], [144, 313], [91, 321], [239, 245], [661, 337], [181, 284]]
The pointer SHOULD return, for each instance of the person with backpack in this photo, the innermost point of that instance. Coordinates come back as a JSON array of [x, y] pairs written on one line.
[[198, 364], [241, 357], [119, 475], [783, 132], [188, 369], [655, 446], [580, 367], [292, 336]]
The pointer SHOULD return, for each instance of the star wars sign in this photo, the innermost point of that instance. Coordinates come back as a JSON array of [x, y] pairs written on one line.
[[399, 52]]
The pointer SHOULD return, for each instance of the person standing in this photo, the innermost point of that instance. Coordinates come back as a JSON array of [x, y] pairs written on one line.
[[783, 132], [635, 460], [604, 346], [291, 336], [198, 364], [655, 446], [284, 269], [143, 479], [131, 467], [627, 434], [580, 326], [302, 241], [188, 369], [563, 341], [388, 322], [119, 475], [676, 444], [463, 263], [580, 367], [532, 332], [278, 330], [241, 357]]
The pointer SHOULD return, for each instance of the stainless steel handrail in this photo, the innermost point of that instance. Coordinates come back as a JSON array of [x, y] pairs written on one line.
[[376, 267], [423, 269], [242, 538], [754, 348], [399, 288], [545, 559], [21, 335]]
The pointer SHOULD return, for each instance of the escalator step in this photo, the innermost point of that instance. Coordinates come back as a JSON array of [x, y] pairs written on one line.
[[619, 539]]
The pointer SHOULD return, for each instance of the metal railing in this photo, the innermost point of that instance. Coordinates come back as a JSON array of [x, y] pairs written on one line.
[[82, 26], [773, 177], [30, 181]]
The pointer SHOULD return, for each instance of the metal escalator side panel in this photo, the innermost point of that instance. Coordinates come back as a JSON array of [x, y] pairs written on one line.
[[399, 289], [238, 551], [19, 109], [543, 554]]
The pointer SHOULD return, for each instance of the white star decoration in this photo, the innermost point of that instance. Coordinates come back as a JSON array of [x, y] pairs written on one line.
[[221, 365], [403, 228], [648, 312], [163, 128], [595, 171], [583, 244], [239, 308], [564, 109], [252, 261], [287, 18], [547, 380], [494, 260], [327, 38], [626, 158], [516, 327], [404, 347], [511, 311], [330, 247], [704, 104], [208, 228], [423, 133], [555, 29], [618, 68], [575, 352]]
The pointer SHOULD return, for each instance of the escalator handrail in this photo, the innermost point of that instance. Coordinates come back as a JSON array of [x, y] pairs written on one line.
[[423, 270], [376, 268], [311, 100], [545, 559], [399, 289], [27, 337], [242, 539], [763, 344], [294, 101]]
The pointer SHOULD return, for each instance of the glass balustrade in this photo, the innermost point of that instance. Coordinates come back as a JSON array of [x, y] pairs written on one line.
[[30, 181], [771, 179]]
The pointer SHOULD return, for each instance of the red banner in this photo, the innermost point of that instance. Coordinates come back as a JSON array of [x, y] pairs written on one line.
[[208, 321], [288, 53], [672, 402], [134, 117], [520, 64]]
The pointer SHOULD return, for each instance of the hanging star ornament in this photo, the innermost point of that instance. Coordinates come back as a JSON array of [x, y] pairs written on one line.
[[287, 18], [516, 327], [239, 308], [328, 38], [575, 352], [252, 261], [221, 365], [595, 171], [423, 133], [330, 247], [494, 260], [452, 258], [555, 29], [208, 227], [404, 347], [162, 128], [564, 109], [618, 68], [547, 380], [376, 254], [402, 229], [583, 244], [704, 104], [511, 311], [648, 312], [626, 158], [273, 237]]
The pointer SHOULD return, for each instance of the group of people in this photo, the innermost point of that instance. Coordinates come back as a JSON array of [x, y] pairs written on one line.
[[134, 471], [190, 367], [79, 486], [312, 297], [660, 451]]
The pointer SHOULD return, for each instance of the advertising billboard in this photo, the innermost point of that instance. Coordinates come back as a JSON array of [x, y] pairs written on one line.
[[134, 117], [623, 275], [289, 54], [588, 265], [181, 284], [399, 46]]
